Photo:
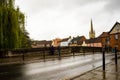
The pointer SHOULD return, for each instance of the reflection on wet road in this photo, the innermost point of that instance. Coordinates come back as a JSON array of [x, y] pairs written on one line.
[[52, 70]]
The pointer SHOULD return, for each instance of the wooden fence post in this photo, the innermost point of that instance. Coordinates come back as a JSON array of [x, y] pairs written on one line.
[[23, 56], [73, 49], [44, 54]]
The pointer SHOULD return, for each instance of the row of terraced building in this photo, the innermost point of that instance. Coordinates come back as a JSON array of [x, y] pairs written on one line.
[[106, 39]]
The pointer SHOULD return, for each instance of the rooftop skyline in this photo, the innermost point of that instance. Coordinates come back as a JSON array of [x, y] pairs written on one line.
[[48, 19]]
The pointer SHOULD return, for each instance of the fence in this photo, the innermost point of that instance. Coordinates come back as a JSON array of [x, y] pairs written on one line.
[[45, 53]]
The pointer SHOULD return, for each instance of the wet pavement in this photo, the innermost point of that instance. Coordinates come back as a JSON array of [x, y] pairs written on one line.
[[112, 72], [52, 70]]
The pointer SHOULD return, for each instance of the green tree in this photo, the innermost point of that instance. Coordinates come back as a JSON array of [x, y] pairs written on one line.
[[12, 26]]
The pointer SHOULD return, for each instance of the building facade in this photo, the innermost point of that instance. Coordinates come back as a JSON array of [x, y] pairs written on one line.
[[105, 39], [114, 34], [77, 41], [65, 41], [56, 42], [93, 42], [39, 44], [111, 38]]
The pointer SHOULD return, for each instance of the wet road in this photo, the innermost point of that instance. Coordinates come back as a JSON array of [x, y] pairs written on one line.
[[52, 70]]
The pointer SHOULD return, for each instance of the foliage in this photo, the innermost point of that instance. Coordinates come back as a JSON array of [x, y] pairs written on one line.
[[12, 26]]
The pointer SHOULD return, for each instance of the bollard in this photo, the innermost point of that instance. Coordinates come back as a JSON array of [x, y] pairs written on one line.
[[104, 75], [115, 56], [103, 50], [116, 59]]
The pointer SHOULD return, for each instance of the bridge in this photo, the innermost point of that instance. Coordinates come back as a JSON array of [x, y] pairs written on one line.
[[45, 53]]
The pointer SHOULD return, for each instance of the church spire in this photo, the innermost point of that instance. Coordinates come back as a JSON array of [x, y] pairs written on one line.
[[91, 27], [92, 32]]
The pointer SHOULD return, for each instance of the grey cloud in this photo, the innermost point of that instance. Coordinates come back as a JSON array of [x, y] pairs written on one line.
[[39, 5], [113, 5]]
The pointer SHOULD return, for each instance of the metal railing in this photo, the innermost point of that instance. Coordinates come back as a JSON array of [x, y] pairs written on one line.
[[44, 53]]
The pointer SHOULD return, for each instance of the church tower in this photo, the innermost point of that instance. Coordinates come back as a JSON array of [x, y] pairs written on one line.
[[92, 32]]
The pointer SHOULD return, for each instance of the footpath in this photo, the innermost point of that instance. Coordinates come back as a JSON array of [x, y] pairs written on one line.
[[112, 72]]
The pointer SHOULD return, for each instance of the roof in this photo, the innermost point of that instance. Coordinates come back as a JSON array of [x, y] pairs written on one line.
[[114, 26], [93, 40], [65, 39], [104, 34], [78, 39], [43, 42]]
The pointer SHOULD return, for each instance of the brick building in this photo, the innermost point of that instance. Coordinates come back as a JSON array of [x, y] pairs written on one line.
[[112, 38], [114, 34]]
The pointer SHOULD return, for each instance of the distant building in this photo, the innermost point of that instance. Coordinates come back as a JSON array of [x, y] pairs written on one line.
[[77, 41], [39, 44], [93, 42], [92, 32], [105, 39], [56, 42], [65, 41]]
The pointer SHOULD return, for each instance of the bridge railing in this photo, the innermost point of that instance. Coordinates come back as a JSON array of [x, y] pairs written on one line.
[[44, 53]]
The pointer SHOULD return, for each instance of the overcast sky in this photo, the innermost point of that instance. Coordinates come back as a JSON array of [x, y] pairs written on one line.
[[48, 19]]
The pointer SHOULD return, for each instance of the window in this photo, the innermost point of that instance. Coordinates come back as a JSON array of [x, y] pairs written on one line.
[[116, 36], [108, 40], [75, 42]]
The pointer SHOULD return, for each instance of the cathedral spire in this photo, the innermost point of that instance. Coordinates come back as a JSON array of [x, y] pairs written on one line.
[[92, 32], [91, 27]]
